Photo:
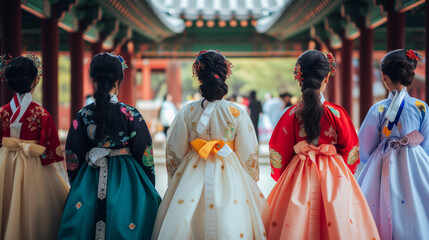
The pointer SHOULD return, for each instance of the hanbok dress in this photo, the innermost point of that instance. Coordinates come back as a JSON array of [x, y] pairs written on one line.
[[316, 196], [395, 178], [212, 163], [112, 194], [32, 190]]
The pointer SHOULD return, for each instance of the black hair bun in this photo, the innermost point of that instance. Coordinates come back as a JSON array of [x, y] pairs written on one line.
[[20, 74], [399, 67]]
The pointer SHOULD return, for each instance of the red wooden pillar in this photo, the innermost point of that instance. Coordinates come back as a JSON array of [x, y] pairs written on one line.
[[427, 50], [50, 48], [366, 46], [97, 47], [395, 27], [146, 83], [346, 74], [333, 85], [174, 81], [76, 59], [126, 90], [11, 38]]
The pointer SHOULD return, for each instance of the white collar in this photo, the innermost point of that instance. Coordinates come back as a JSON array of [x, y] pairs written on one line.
[[322, 98], [205, 117], [394, 106], [114, 99]]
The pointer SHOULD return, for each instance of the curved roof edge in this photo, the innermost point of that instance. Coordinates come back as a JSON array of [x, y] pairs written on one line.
[[174, 24], [263, 25]]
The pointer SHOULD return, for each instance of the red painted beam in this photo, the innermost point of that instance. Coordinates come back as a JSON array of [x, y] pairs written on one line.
[[346, 74], [427, 50], [395, 27], [76, 59]]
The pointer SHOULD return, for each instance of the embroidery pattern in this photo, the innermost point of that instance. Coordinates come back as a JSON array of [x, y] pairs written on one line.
[[71, 160], [229, 131], [5, 119], [353, 155], [148, 156], [234, 111], [172, 162], [275, 159], [421, 106], [293, 111], [34, 121], [250, 128], [380, 108], [252, 165], [332, 133], [59, 151], [284, 130], [334, 111]]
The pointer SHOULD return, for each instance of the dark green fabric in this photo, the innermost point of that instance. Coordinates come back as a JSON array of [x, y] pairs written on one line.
[[131, 200]]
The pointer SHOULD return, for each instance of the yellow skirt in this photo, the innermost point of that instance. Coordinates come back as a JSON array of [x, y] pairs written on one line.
[[32, 196]]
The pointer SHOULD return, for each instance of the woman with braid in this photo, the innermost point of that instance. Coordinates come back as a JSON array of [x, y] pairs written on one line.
[[212, 162], [314, 151]]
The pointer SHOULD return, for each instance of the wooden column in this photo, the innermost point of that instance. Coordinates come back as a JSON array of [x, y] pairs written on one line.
[[346, 74], [126, 90], [76, 58], [427, 50], [366, 46], [50, 48], [333, 85], [11, 38], [395, 27], [97, 47], [146, 82], [174, 81]]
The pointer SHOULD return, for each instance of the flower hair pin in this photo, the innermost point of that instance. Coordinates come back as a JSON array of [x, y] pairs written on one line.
[[121, 60], [298, 74], [413, 55], [4, 62], [331, 60], [37, 62], [199, 65]]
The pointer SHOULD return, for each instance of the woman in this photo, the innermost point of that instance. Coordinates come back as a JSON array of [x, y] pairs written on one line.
[[32, 191], [212, 162], [314, 152], [394, 145], [110, 164]]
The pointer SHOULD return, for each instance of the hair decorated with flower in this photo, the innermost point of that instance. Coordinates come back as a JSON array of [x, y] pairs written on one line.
[[199, 64], [4, 63], [332, 64], [121, 60], [414, 55], [37, 62], [298, 74]]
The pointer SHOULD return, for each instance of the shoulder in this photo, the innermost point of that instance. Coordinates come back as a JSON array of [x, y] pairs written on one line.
[[38, 110], [335, 109], [418, 104]]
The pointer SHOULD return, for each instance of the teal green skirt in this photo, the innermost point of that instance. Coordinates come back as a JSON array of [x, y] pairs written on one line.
[[129, 209]]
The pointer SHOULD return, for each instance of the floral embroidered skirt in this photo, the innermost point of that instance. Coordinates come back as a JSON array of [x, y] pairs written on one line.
[[128, 211], [317, 197], [32, 197]]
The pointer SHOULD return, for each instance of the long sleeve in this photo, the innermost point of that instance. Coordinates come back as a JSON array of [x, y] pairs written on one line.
[[177, 143], [281, 144], [348, 143], [246, 146], [369, 133], [141, 145], [49, 139], [76, 147]]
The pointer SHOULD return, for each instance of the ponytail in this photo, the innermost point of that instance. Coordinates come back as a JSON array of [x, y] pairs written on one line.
[[312, 110]]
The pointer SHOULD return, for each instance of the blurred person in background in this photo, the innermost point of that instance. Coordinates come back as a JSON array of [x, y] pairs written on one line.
[[167, 113], [255, 108]]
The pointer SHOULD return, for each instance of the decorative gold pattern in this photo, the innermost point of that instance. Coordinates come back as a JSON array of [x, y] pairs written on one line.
[[132, 226], [211, 205], [180, 201], [250, 128], [235, 201], [5, 119], [78, 205], [34, 120], [380, 108], [172, 161], [59, 151], [229, 131], [234, 111], [241, 235], [353, 155], [275, 158], [252, 165]]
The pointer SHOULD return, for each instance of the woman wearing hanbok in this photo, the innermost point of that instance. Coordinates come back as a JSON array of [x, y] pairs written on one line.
[[314, 151], [32, 190], [110, 164], [394, 145], [212, 163]]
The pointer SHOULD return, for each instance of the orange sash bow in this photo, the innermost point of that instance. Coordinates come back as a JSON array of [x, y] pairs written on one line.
[[204, 148]]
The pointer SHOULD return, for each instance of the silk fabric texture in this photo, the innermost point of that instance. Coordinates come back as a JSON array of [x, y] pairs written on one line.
[[217, 197], [395, 179]]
